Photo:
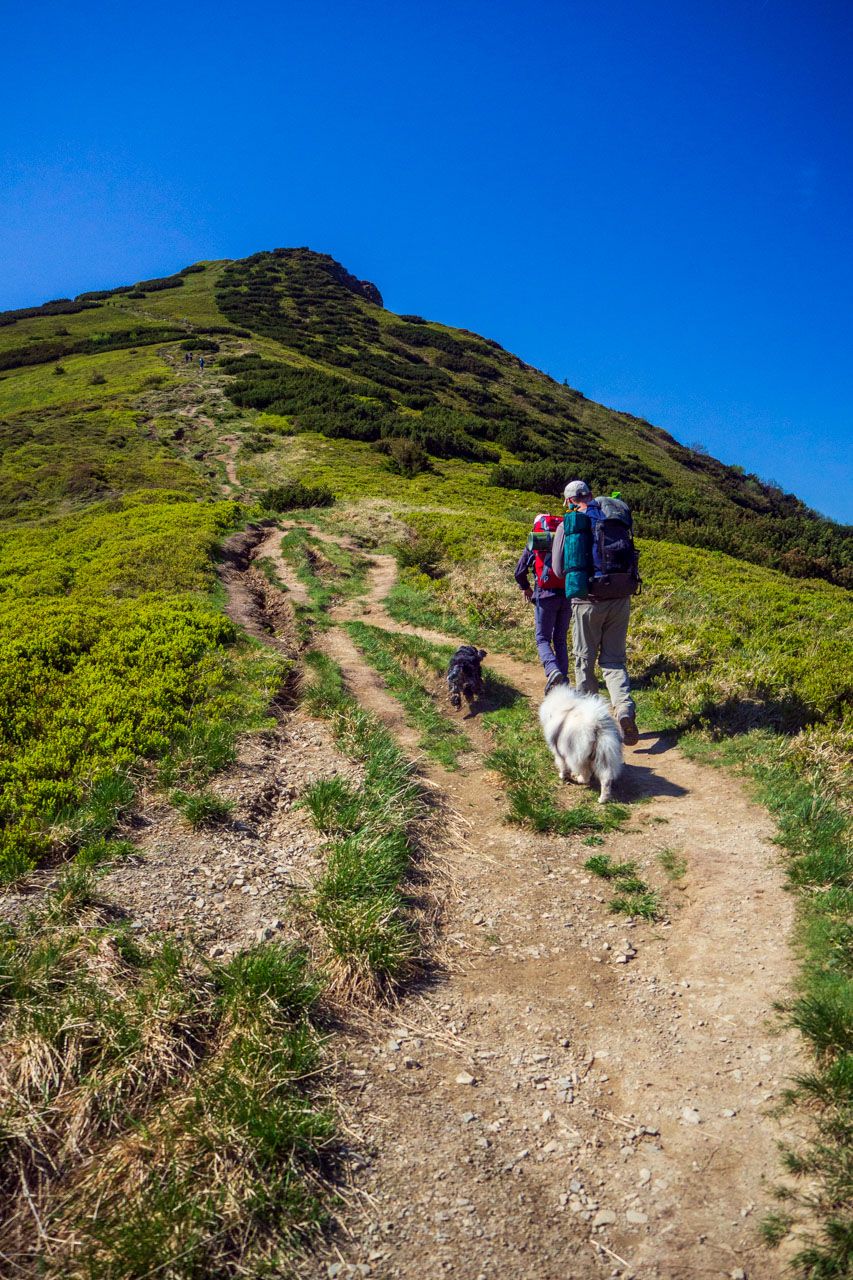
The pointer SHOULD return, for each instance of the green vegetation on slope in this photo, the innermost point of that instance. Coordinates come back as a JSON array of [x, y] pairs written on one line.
[[116, 650], [111, 651], [373, 375]]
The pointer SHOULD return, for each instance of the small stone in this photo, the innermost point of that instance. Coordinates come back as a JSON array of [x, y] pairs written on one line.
[[645, 1177], [638, 1219], [217, 950], [738, 1274], [468, 1116], [574, 1185], [620, 959], [484, 1142], [478, 918], [728, 1113], [199, 902], [393, 1046], [334, 1269], [604, 1218], [464, 1078], [690, 1115], [546, 1116]]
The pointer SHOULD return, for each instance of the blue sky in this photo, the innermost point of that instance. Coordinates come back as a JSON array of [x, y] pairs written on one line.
[[652, 200]]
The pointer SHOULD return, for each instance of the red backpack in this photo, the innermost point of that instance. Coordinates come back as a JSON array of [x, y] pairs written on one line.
[[540, 542]]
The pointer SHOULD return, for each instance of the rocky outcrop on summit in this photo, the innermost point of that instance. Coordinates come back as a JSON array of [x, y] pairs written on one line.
[[363, 288]]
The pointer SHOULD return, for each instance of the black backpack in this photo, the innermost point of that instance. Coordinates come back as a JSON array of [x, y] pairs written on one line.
[[615, 553]]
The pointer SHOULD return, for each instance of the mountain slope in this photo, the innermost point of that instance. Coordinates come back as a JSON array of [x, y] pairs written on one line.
[[326, 357]]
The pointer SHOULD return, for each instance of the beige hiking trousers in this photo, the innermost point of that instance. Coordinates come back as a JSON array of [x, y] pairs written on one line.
[[599, 632]]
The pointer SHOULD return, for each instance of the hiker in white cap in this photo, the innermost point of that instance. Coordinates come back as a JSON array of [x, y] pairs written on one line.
[[600, 620]]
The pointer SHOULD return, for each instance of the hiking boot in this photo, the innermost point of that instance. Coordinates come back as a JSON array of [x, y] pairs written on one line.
[[628, 725], [555, 678]]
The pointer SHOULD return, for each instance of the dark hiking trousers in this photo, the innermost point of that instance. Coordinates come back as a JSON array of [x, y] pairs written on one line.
[[553, 619]]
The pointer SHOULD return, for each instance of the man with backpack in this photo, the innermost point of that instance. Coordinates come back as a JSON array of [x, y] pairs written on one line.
[[600, 595], [553, 610]]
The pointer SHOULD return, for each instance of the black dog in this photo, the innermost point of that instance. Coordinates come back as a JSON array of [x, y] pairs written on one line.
[[464, 675]]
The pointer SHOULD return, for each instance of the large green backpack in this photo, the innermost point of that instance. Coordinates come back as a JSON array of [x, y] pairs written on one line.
[[576, 555]]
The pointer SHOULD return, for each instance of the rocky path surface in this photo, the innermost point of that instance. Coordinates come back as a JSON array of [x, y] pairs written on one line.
[[575, 1094]]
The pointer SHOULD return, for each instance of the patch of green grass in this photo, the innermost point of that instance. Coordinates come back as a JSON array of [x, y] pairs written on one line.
[[601, 864], [329, 572], [641, 902], [401, 661], [177, 1094], [673, 864], [204, 809], [336, 807], [267, 568], [369, 937], [634, 897], [125, 374], [111, 652]]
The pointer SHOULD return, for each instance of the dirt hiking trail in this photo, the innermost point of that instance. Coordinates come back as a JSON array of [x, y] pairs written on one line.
[[572, 1094]]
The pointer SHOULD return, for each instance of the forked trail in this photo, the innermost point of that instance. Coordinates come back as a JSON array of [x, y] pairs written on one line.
[[575, 1095]]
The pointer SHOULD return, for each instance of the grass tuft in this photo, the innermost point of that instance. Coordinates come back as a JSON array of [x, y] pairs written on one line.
[[635, 897], [673, 864], [204, 809], [161, 1109], [369, 937]]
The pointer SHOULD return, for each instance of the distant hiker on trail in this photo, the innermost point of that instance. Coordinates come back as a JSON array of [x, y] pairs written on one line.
[[186, 357], [201, 363], [553, 612], [600, 565]]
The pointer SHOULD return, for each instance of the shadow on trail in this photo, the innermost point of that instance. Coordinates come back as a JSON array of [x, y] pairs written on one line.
[[638, 781], [660, 744]]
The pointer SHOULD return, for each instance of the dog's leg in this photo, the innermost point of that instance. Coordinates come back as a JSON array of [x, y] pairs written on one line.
[[562, 768], [605, 792], [585, 773]]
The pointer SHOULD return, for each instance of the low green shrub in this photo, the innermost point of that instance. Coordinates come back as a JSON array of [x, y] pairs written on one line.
[[293, 497]]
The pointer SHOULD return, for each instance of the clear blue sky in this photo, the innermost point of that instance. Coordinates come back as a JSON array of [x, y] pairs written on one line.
[[652, 200]]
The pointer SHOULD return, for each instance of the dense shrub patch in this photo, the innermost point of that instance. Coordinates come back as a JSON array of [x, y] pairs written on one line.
[[48, 349], [108, 649], [292, 497], [58, 307]]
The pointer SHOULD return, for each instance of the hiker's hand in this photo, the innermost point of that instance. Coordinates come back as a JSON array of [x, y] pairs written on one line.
[[528, 594]]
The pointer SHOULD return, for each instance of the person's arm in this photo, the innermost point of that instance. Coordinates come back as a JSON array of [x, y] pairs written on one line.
[[521, 571]]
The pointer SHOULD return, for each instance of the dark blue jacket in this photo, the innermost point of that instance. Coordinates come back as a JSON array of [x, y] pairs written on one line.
[[525, 562]]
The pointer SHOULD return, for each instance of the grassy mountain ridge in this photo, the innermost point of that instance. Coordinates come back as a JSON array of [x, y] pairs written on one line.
[[327, 357]]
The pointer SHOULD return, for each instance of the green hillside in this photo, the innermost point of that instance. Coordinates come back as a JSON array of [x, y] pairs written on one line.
[[125, 464], [116, 448], [322, 354]]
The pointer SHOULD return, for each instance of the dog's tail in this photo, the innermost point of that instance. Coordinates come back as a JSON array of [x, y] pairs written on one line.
[[607, 754]]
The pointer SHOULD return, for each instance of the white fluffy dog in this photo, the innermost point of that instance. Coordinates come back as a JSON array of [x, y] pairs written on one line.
[[583, 737]]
